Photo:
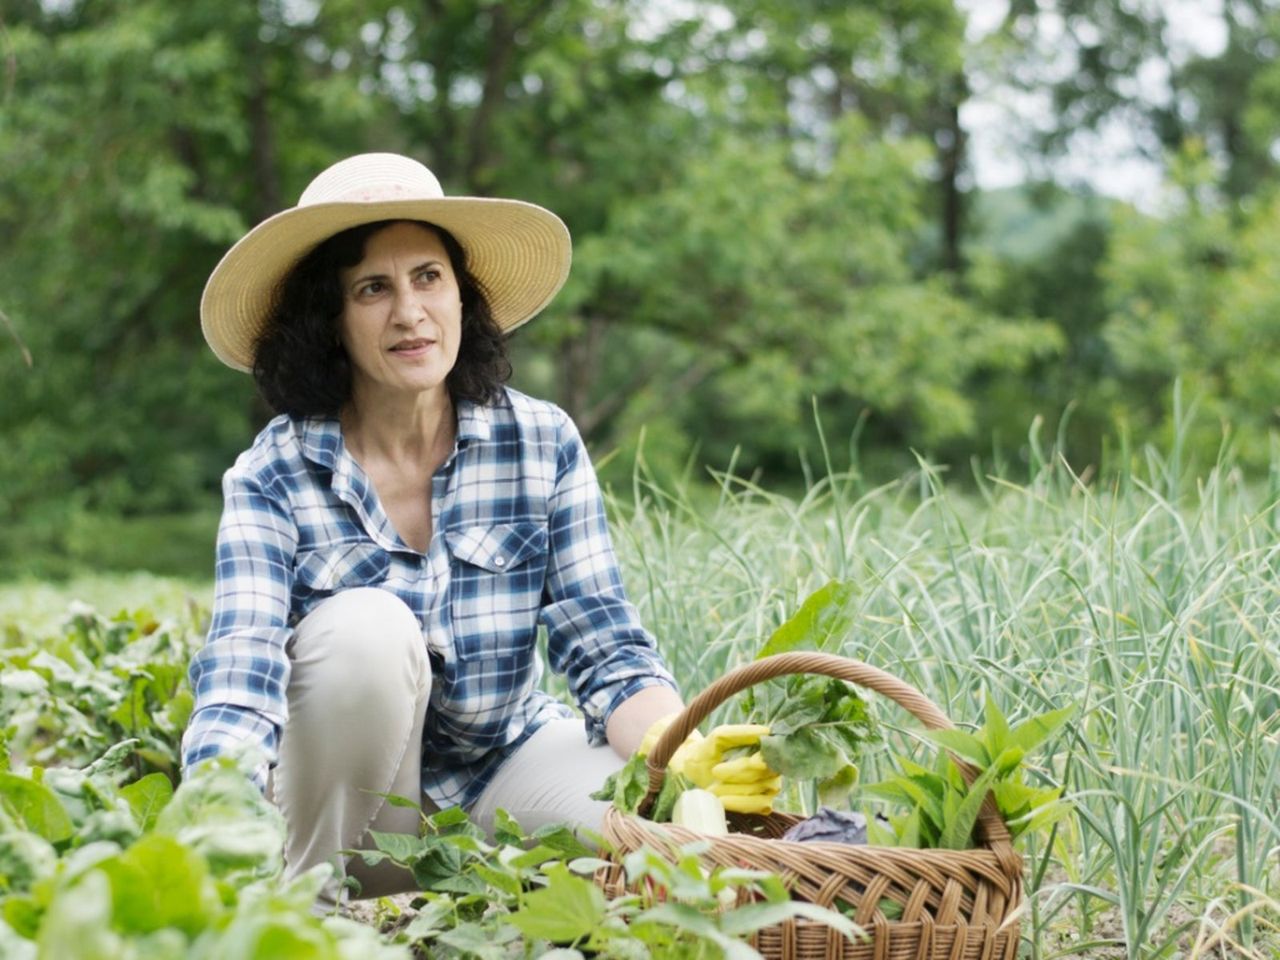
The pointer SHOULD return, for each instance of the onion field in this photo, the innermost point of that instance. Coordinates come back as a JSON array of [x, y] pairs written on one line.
[[1150, 603]]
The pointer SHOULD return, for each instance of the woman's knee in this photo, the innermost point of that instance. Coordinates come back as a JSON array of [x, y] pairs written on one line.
[[357, 640]]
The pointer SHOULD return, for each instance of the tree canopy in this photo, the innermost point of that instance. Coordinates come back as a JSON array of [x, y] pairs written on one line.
[[772, 205]]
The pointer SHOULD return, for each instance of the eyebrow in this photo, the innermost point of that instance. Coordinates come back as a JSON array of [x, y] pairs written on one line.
[[365, 278]]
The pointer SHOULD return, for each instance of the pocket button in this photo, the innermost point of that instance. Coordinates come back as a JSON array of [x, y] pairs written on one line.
[[499, 561]]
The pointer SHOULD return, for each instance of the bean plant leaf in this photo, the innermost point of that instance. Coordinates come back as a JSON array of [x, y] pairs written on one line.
[[563, 840], [401, 847], [822, 617], [566, 910]]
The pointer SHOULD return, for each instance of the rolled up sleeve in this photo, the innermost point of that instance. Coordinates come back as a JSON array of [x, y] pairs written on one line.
[[240, 675], [594, 635]]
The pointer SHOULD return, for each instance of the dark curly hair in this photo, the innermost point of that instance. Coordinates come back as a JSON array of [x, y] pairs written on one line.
[[299, 363]]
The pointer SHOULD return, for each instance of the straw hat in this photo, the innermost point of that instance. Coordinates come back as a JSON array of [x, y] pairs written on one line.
[[519, 252]]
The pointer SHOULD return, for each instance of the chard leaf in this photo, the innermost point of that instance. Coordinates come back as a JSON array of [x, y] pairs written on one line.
[[626, 788], [664, 803], [147, 797], [823, 616], [160, 883], [35, 806], [803, 755], [834, 790]]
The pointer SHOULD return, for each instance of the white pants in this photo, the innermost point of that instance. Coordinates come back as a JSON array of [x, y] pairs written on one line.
[[358, 695]]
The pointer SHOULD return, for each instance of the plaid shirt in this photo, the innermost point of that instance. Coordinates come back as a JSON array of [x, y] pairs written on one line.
[[520, 539]]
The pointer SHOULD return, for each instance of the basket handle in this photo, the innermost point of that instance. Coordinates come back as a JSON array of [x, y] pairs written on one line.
[[994, 831]]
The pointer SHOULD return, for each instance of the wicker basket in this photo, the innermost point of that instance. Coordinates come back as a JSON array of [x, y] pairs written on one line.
[[954, 903]]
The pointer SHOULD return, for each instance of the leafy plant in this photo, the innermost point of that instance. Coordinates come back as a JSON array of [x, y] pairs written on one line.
[[943, 807], [521, 893], [90, 870]]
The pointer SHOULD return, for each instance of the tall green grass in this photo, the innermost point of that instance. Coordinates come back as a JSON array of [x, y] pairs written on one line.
[[1151, 601]]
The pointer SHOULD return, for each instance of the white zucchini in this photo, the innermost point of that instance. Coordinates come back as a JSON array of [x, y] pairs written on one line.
[[700, 810]]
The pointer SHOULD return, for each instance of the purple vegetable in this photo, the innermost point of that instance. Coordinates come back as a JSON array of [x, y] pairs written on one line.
[[830, 826]]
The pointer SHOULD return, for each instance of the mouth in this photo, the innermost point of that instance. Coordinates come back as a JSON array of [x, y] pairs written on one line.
[[412, 347]]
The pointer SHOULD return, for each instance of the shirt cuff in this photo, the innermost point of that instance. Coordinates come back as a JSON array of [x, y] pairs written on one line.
[[599, 707]]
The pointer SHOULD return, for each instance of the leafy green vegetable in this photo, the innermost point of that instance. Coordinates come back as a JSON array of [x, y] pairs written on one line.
[[943, 809], [628, 787]]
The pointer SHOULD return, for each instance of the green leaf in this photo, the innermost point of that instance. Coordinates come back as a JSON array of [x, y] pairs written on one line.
[[1031, 733], [751, 917], [159, 883], [401, 847], [438, 863], [147, 797], [626, 788], [996, 729], [77, 924], [962, 814], [433, 917], [834, 790], [803, 755], [568, 909], [822, 617], [1007, 762], [962, 744], [35, 806], [506, 830], [561, 838], [673, 784], [477, 940]]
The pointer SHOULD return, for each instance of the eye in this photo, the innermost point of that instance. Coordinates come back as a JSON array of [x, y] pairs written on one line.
[[372, 288], [429, 274]]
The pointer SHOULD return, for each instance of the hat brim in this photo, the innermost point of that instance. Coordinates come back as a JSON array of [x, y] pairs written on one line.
[[519, 252]]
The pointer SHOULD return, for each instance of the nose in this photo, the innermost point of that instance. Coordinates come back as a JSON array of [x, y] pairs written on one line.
[[405, 309]]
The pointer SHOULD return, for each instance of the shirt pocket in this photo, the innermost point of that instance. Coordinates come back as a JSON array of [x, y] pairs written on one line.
[[341, 566], [496, 583]]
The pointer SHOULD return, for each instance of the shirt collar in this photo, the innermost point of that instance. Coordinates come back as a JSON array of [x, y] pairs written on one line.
[[322, 437]]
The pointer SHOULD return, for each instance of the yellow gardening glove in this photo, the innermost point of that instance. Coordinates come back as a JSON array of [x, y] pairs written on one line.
[[650, 740], [745, 784]]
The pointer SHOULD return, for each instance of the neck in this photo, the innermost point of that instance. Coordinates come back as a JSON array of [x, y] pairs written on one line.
[[398, 430]]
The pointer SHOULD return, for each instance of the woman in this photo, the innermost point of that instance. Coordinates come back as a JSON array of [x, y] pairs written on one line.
[[393, 540]]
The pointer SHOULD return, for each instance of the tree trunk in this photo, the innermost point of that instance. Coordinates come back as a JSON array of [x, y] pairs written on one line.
[[951, 151], [262, 145]]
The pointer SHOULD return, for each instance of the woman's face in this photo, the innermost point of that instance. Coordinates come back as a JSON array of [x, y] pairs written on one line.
[[402, 314]]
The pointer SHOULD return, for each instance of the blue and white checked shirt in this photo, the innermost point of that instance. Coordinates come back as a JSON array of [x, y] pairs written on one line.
[[519, 539]]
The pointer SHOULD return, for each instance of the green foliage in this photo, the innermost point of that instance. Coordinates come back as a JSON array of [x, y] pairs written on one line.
[[93, 871], [535, 893], [944, 805], [65, 699]]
